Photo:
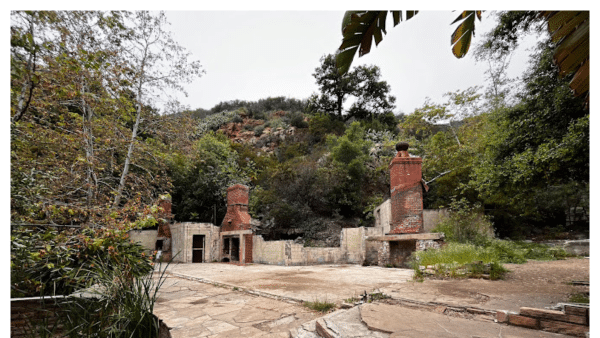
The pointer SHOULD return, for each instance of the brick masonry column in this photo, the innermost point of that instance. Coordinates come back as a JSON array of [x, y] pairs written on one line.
[[237, 217], [248, 248], [406, 192]]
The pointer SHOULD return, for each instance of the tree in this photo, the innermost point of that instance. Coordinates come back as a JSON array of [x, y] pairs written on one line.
[[202, 178], [74, 62], [363, 83], [69, 132], [156, 62], [535, 161], [569, 30]]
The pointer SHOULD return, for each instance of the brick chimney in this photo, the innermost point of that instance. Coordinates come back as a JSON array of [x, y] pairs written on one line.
[[406, 192], [237, 217]]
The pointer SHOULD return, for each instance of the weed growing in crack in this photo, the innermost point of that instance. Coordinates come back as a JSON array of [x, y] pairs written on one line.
[[320, 306]]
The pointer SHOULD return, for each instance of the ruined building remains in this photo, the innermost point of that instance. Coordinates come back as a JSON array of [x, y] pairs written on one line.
[[388, 243]]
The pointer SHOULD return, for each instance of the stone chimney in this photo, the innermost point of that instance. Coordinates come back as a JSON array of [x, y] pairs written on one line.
[[406, 192], [237, 217]]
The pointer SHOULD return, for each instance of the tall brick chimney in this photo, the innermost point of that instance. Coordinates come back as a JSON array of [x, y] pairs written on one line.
[[406, 192], [237, 217]]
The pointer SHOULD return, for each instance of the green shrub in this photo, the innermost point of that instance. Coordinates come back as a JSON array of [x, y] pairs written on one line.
[[278, 122], [48, 262], [118, 305], [258, 130], [214, 122], [322, 124], [296, 119], [459, 259], [259, 115], [237, 119], [466, 223], [248, 127]]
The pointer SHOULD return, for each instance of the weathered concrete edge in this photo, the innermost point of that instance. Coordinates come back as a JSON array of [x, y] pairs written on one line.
[[449, 308], [239, 288]]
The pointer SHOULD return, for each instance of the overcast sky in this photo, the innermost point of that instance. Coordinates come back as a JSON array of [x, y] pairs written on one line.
[[249, 55]]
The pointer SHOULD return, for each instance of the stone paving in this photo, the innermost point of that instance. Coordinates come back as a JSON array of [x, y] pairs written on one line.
[[193, 309], [264, 301], [332, 283]]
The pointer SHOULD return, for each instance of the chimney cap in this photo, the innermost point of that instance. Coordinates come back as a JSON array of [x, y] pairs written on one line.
[[402, 146]]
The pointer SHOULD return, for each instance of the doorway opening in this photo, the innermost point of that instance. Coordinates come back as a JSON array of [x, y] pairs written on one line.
[[231, 249], [198, 248]]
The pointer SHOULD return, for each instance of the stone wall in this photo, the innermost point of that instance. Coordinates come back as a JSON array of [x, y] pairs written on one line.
[[182, 236], [431, 218], [383, 216], [570, 319], [147, 238], [351, 251], [372, 248], [268, 252]]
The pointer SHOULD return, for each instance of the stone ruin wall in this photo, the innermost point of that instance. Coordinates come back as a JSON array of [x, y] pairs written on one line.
[[286, 252]]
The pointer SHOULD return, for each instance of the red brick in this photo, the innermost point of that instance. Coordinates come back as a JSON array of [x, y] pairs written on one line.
[[248, 247], [514, 319], [577, 310], [553, 315], [406, 194], [502, 316], [440, 309], [564, 328], [237, 217]]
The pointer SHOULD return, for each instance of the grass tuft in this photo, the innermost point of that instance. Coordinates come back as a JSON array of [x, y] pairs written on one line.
[[320, 306]]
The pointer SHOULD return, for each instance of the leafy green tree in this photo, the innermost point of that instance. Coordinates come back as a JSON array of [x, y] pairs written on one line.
[[201, 180], [156, 62], [569, 31], [535, 149], [68, 143], [372, 98]]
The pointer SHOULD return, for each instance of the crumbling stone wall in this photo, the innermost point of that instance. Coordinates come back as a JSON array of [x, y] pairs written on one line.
[[350, 251], [182, 234], [268, 252]]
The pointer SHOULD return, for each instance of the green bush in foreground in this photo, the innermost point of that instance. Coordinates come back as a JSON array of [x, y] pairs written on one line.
[[470, 260], [118, 305]]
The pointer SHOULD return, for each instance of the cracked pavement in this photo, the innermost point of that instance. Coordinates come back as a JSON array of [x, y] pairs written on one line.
[[194, 309]]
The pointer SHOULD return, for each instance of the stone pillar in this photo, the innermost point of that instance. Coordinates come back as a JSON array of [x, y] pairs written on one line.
[[406, 192], [383, 254]]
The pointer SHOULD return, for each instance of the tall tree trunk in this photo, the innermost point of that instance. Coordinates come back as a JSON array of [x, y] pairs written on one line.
[[89, 147], [28, 84], [133, 133], [128, 157]]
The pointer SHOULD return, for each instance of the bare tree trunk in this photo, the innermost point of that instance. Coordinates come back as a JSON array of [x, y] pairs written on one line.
[[89, 147], [133, 134], [28, 84], [454, 133], [128, 157]]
